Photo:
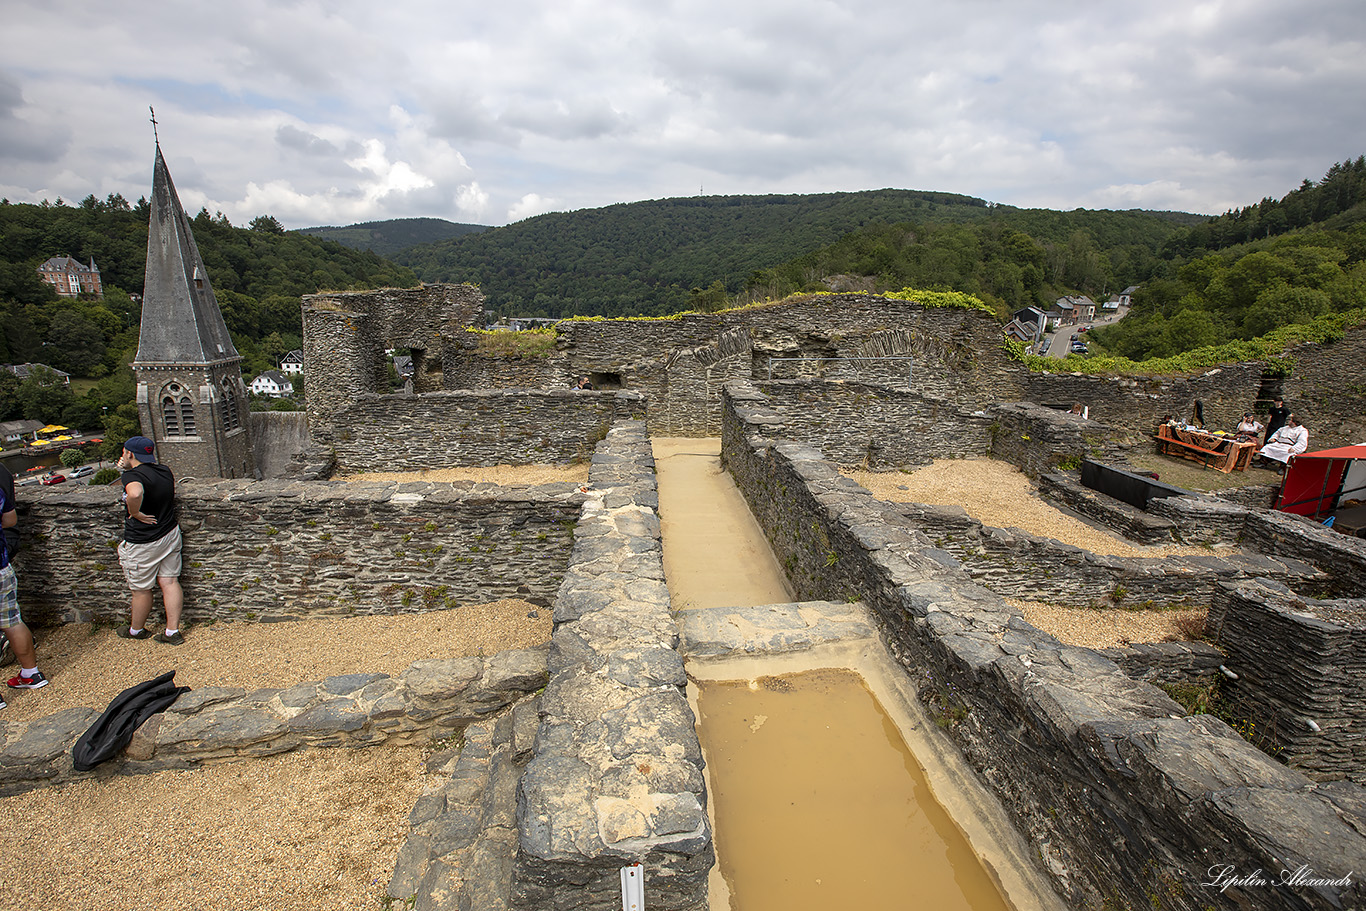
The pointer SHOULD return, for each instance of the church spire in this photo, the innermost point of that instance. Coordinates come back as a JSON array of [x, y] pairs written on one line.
[[181, 322]]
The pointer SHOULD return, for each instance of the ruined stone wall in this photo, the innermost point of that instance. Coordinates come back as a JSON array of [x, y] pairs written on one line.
[[681, 363], [863, 425], [442, 429], [346, 334], [1327, 390], [616, 777], [281, 550], [1136, 405], [1300, 675], [1128, 801], [1016, 564], [1037, 439]]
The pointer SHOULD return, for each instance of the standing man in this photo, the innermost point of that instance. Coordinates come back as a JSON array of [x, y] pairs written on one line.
[[1276, 421], [11, 623], [150, 551]]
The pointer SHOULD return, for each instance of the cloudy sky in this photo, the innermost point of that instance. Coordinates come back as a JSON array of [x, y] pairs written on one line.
[[490, 112]]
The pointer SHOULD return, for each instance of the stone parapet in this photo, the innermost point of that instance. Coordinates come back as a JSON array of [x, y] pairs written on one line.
[[1127, 800], [873, 427], [616, 777], [275, 550], [430, 700]]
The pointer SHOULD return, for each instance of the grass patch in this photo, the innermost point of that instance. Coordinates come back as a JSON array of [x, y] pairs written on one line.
[[529, 344]]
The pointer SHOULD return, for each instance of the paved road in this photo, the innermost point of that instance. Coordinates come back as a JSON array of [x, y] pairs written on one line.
[[1059, 344]]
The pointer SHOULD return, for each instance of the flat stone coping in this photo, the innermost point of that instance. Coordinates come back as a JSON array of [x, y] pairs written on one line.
[[772, 628]]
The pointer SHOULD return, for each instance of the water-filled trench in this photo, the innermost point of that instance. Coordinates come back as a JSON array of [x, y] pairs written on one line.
[[816, 799]]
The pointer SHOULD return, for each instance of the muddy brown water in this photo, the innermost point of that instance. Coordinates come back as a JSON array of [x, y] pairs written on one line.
[[819, 803], [816, 800]]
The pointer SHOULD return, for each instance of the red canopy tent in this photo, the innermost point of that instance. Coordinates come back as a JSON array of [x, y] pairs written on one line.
[[1314, 481]]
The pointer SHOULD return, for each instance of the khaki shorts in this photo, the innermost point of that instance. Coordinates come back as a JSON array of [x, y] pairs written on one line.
[[143, 564]]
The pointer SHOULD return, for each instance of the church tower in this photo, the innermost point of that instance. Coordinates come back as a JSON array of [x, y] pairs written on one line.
[[191, 399]]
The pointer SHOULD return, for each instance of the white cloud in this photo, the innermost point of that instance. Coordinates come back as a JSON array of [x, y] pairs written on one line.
[[463, 110]]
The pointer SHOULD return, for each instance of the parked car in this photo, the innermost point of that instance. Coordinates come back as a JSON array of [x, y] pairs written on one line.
[[82, 472], [54, 479]]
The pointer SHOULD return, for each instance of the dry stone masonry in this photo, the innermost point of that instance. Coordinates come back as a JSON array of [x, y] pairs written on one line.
[[616, 777], [285, 550]]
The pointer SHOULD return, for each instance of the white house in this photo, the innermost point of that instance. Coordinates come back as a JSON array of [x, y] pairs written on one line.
[[272, 383], [292, 363]]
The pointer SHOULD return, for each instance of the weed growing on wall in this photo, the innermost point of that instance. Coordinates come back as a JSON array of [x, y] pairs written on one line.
[[528, 344], [1210, 699]]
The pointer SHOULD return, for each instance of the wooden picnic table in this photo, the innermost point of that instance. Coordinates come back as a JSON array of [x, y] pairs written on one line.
[[1222, 453]]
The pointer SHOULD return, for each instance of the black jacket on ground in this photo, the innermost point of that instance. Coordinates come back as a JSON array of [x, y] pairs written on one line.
[[111, 731]]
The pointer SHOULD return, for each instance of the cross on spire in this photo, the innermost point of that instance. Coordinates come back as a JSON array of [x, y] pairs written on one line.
[[155, 138]]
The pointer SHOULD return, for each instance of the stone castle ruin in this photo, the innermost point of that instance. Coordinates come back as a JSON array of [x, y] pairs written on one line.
[[1125, 799]]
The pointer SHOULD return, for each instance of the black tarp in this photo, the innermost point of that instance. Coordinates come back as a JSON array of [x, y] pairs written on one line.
[[113, 729]]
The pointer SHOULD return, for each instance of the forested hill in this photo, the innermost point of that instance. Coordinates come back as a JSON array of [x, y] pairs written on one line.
[[649, 258], [389, 237]]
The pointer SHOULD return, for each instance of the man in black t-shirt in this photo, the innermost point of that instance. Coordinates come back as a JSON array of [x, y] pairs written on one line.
[[150, 551]]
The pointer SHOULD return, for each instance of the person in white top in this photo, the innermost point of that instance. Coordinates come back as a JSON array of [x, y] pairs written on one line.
[[1249, 428], [1290, 440]]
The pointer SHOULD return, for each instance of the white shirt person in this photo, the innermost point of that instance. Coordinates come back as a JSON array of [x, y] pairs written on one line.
[[1290, 440]]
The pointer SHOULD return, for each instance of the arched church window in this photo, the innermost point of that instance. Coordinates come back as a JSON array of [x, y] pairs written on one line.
[[187, 415], [228, 407], [171, 416]]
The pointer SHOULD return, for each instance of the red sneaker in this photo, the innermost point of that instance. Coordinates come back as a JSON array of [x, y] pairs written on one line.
[[20, 682]]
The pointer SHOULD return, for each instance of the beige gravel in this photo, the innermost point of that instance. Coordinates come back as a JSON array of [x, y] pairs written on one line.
[[1000, 495], [315, 829], [1110, 628]]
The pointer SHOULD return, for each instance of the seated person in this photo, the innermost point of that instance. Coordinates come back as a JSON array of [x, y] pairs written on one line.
[[584, 383], [1249, 428], [1289, 441]]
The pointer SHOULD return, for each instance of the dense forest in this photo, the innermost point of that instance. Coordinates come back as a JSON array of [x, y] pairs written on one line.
[[1248, 271], [389, 237], [258, 274], [1204, 281], [662, 256]]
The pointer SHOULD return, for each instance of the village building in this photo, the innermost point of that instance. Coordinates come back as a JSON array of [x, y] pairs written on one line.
[[70, 279], [272, 383], [292, 363]]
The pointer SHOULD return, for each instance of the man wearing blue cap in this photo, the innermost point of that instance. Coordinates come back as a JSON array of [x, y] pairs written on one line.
[[150, 551]]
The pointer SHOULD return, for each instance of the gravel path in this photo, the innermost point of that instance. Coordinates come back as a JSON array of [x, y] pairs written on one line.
[[310, 830]]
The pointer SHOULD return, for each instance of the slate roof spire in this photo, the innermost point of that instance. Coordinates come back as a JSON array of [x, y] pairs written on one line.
[[181, 321]]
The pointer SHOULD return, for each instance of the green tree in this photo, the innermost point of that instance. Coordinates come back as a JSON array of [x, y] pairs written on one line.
[[73, 457], [76, 345]]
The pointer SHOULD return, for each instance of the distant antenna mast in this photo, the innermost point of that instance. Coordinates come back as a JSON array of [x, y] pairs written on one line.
[[155, 138]]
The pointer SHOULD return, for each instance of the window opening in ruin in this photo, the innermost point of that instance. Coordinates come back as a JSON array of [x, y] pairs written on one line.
[[605, 380]]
